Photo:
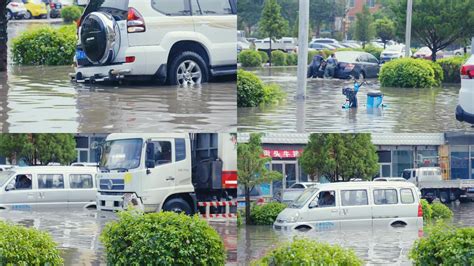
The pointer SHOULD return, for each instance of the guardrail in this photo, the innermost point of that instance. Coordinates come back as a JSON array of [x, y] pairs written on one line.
[[227, 214]]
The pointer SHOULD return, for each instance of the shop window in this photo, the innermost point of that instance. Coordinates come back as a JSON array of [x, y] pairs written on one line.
[[459, 162], [401, 160]]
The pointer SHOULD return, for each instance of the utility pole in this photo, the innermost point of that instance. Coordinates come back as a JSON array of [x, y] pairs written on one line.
[[408, 28], [302, 48]]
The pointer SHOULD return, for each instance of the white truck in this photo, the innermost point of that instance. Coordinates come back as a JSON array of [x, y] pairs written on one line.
[[431, 184], [190, 173], [285, 44]]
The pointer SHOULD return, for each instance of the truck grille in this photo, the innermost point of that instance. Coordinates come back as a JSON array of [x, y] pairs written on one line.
[[112, 184]]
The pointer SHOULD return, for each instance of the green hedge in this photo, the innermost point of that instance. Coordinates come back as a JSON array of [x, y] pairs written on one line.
[[27, 246], [292, 59], [71, 13], [373, 50], [251, 91], [250, 58], [266, 214], [278, 58], [440, 211], [309, 252], [264, 56], [451, 68], [427, 211], [45, 46], [164, 238], [410, 73], [444, 245]]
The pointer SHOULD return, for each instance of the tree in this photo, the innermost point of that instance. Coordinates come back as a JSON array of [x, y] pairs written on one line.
[[251, 168], [3, 36], [363, 30], [384, 29], [272, 24], [436, 23], [38, 148], [325, 11], [249, 13], [340, 157]]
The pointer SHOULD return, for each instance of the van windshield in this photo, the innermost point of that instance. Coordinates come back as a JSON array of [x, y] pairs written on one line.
[[121, 154], [4, 176], [303, 198]]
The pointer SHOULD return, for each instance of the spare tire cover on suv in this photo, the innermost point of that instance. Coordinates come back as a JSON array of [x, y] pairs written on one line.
[[100, 38]]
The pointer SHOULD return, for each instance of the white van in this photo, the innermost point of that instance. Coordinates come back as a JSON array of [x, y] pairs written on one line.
[[341, 205], [41, 187], [422, 174]]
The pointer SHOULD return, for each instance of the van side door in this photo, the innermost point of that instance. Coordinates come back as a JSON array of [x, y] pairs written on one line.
[[20, 192], [355, 209], [323, 211], [81, 192], [51, 191]]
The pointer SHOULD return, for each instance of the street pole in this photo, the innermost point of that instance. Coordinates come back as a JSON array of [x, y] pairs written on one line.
[[408, 28], [302, 48]]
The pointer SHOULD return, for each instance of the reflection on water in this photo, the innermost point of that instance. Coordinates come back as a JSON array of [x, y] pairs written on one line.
[[375, 245], [408, 110], [77, 233]]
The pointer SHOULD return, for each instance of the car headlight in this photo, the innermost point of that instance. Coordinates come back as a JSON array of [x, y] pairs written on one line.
[[293, 219]]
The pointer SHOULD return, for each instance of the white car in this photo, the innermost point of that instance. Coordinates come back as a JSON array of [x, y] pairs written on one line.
[[348, 204], [163, 39], [465, 108], [15, 9], [393, 52], [460, 51], [333, 42]]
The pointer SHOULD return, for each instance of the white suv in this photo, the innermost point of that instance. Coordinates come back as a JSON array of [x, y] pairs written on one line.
[[177, 41], [465, 109], [15, 9]]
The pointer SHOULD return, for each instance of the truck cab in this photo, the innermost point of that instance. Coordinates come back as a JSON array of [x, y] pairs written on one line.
[[422, 174]]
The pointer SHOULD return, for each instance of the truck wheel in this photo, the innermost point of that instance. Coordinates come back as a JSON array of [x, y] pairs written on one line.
[[188, 68], [444, 197], [178, 206]]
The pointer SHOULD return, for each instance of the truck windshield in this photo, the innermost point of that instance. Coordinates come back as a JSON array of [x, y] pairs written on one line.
[[303, 198], [122, 154], [4, 176]]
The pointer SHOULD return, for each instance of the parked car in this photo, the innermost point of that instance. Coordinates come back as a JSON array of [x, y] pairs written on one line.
[[332, 42], [393, 52], [256, 196], [5, 167], [164, 40], [460, 51], [15, 9], [360, 65], [35, 9], [321, 46], [288, 195], [353, 43], [425, 53], [285, 44], [38, 187], [465, 108], [55, 7], [348, 204]]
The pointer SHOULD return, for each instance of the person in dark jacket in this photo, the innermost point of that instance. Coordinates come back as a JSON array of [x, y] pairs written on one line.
[[331, 65], [316, 64]]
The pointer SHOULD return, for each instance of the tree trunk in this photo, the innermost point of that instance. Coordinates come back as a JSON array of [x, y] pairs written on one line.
[[384, 43], [433, 54], [318, 29], [3, 36], [270, 55], [247, 205]]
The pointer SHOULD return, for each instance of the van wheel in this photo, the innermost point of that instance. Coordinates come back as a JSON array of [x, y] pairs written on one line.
[[303, 228], [444, 197], [178, 206], [188, 68], [398, 224]]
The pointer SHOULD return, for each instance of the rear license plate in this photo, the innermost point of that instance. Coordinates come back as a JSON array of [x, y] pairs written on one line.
[[80, 55]]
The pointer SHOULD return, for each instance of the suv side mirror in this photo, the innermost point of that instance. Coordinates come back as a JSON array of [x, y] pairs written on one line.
[[10, 187], [313, 204], [150, 155]]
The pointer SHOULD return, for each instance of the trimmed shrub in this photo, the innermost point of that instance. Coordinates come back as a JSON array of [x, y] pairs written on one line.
[[451, 68], [373, 50], [273, 94], [427, 211], [292, 59], [440, 211], [250, 58], [267, 213], [444, 245], [27, 246], [409, 73], [45, 46], [249, 89], [438, 71], [264, 56], [71, 13], [164, 238], [309, 252], [278, 58], [327, 53]]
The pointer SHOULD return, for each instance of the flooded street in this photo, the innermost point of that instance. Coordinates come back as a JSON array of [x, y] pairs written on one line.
[[77, 233], [408, 110], [374, 245], [43, 99]]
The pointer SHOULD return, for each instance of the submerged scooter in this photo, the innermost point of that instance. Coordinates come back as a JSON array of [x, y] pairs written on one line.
[[351, 94]]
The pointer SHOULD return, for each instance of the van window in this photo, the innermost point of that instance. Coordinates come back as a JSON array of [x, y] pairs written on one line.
[[80, 181], [180, 147], [385, 196], [211, 7], [327, 199], [406, 196], [354, 197], [162, 152], [172, 7], [50, 181], [23, 182]]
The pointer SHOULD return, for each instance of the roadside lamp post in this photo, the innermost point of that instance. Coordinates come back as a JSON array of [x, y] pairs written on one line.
[[302, 48], [408, 28]]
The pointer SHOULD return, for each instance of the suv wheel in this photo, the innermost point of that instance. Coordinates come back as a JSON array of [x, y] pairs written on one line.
[[9, 15], [188, 68], [28, 15]]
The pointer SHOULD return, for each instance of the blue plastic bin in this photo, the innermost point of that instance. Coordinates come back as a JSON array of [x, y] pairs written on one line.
[[374, 99]]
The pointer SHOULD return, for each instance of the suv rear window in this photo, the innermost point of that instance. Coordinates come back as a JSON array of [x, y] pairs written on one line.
[[172, 7], [117, 8], [211, 7]]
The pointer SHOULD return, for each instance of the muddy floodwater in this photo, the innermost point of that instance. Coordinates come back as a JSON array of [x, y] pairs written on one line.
[[77, 233], [375, 245], [43, 99], [407, 110]]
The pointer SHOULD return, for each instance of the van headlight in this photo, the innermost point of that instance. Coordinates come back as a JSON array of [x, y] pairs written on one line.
[[293, 219]]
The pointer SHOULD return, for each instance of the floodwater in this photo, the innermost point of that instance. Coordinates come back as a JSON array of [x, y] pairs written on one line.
[[407, 110], [375, 245], [77, 233], [43, 99]]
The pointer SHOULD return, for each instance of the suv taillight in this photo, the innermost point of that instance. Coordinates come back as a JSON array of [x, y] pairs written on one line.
[[420, 210], [467, 72], [135, 21], [15, 4]]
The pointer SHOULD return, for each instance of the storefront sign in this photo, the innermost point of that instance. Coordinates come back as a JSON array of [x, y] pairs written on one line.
[[282, 153]]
